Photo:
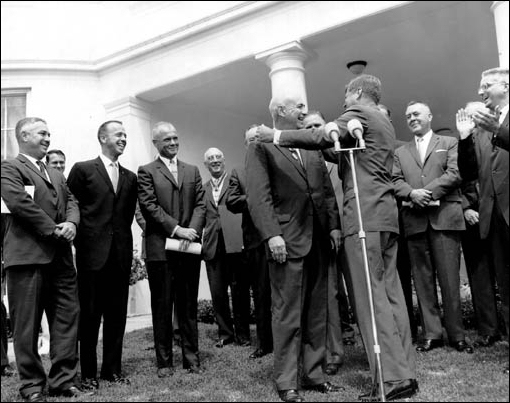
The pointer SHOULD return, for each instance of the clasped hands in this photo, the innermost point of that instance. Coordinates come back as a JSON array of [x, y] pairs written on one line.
[[420, 197], [186, 235], [65, 230]]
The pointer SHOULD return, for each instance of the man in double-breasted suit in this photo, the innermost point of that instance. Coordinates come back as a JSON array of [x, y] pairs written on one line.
[[106, 192], [427, 180], [171, 199], [292, 204], [254, 256], [223, 259], [480, 160], [41, 277], [379, 213]]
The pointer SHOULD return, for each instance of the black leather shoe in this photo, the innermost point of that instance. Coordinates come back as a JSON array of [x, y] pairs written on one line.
[[165, 372], [332, 369], [462, 347], [34, 397], [72, 391], [8, 371], [290, 395], [349, 341], [259, 353], [326, 387], [223, 342], [117, 379], [486, 341], [393, 390], [429, 344], [90, 384], [195, 369]]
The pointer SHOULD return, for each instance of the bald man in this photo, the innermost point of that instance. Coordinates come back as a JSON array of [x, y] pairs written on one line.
[[223, 260]]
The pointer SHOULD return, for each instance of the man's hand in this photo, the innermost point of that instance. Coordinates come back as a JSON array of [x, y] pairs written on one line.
[[336, 239], [471, 216], [184, 245], [465, 124], [487, 120], [189, 234], [277, 247], [421, 197], [265, 134], [66, 230]]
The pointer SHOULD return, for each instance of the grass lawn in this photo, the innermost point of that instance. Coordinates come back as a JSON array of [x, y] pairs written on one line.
[[443, 375]]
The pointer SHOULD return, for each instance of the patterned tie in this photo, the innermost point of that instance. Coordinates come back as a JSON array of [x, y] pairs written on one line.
[[115, 176], [173, 169], [42, 168]]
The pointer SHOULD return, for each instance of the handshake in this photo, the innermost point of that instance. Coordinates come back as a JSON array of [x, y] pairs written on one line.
[[64, 231]]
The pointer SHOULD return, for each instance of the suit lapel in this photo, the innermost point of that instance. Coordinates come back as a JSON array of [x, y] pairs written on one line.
[[224, 187], [166, 172], [411, 146], [31, 166], [434, 141], [287, 154], [102, 172], [122, 178], [180, 173], [208, 193]]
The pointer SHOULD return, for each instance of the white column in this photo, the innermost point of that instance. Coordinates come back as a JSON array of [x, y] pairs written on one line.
[[500, 11], [287, 70]]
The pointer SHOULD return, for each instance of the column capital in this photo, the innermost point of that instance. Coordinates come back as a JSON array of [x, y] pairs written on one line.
[[291, 55], [495, 4], [129, 106]]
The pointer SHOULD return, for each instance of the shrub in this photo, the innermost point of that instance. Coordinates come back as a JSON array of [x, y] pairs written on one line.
[[138, 269]]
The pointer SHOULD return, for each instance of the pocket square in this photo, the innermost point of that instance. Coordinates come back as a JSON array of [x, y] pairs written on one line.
[[438, 151]]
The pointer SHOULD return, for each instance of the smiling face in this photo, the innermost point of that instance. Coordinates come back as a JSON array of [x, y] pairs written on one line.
[[419, 119], [494, 91], [166, 141], [214, 161], [35, 140], [313, 120], [113, 140], [57, 161]]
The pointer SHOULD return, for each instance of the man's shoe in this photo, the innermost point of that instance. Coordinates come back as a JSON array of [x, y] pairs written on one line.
[[8, 371], [259, 353], [117, 379], [486, 341], [165, 372], [34, 397], [349, 341], [290, 395], [429, 344], [72, 391], [195, 369], [223, 342], [462, 347], [393, 391], [325, 387], [90, 384], [244, 342], [332, 369]]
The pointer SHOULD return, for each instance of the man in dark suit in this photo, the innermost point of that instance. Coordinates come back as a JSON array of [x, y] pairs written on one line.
[[379, 213], [223, 258], [427, 181], [254, 256], [106, 193], [481, 160], [41, 277], [292, 204], [171, 199], [494, 92]]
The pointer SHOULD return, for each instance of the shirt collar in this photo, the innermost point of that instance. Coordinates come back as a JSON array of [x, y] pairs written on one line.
[[107, 161], [426, 137], [168, 161], [31, 159], [504, 112]]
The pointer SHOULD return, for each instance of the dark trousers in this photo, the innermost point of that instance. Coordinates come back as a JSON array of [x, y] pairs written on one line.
[[103, 294], [258, 271], [498, 240], [437, 253], [299, 313], [481, 280], [186, 268], [3, 345], [224, 271], [161, 283], [334, 344], [398, 358], [345, 300], [404, 273], [33, 289]]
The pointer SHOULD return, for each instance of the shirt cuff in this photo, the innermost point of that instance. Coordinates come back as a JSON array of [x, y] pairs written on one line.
[[276, 137], [175, 230]]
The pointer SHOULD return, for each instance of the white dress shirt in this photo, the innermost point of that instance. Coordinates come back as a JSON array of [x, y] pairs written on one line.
[[112, 167], [171, 164], [422, 143], [35, 163]]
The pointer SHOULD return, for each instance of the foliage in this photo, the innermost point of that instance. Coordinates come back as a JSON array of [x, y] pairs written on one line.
[[138, 269]]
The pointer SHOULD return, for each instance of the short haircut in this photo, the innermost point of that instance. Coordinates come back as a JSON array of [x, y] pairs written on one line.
[[418, 103], [370, 85], [157, 128], [102, 129], [25, 122], [317, 113], [58, 152], [500, 72]]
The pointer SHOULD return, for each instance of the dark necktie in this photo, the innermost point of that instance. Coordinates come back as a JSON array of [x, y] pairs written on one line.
[[42, 168]]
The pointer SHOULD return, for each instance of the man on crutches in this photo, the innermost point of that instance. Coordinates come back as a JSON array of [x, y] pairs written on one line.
[[386, 333]]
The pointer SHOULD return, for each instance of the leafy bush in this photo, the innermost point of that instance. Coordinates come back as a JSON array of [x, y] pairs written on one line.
[[138, 269]]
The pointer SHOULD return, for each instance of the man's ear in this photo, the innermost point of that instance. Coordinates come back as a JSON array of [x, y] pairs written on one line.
[[281, 110], [359, 93]]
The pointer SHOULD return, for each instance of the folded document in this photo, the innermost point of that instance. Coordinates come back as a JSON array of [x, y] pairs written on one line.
[[175, 245]]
